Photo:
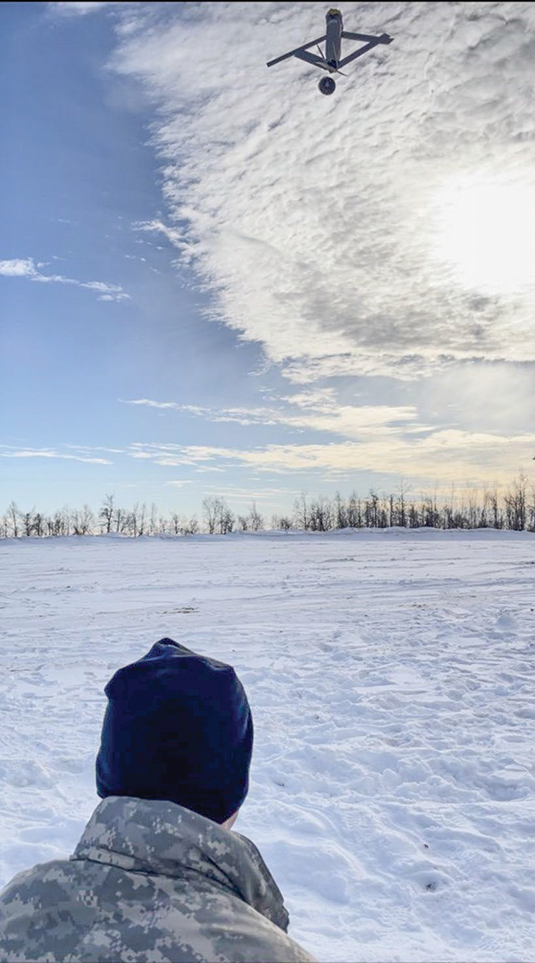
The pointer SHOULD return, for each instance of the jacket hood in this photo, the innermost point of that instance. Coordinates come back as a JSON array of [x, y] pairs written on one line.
[[164, 839]]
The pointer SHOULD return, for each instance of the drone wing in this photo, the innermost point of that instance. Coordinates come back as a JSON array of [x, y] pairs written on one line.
[[311, 58], [299, 52], [369, 42]]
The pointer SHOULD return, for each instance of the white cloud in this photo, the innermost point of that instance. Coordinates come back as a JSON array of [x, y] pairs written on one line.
[[158, 227], [70, 8], [85, 450], [27, 268], [317, 222], [49, 453], [209, 468], [18, 268], [232, 492], [316, 411], [445, 456]]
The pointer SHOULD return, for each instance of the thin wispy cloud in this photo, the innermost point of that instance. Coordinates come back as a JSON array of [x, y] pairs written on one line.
[[27, 268], [173, 235], [445, 455], [80, 7], [235, 493], [318, 411], [8, 451], [85, 450], [336, 232]]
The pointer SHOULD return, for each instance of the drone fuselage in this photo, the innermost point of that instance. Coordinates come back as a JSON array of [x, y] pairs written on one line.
[[333, 39], [331, 60]]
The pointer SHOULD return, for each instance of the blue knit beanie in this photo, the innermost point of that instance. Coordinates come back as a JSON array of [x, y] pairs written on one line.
[[178, 727]]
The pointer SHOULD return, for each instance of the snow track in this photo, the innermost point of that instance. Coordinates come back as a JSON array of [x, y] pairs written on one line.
[[391, 678]]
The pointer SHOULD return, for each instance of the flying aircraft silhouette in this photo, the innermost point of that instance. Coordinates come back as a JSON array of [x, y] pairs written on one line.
[[332, 60]]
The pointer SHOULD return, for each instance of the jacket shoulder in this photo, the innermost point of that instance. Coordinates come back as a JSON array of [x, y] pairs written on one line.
[[56, 869]]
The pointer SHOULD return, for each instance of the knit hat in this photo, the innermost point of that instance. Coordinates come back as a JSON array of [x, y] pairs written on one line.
[[178, 727]]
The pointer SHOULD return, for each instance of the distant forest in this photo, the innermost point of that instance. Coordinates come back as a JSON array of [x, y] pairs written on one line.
[[513, 509]]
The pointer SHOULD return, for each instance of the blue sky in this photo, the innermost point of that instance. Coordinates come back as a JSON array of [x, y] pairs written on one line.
[[215, 281]]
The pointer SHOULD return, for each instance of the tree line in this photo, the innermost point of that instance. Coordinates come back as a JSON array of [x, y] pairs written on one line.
[[513, 509]]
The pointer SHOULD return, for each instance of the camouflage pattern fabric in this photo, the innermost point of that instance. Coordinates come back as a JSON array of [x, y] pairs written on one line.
[[149, 882]]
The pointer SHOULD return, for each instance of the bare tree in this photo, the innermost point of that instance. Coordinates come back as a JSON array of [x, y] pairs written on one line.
[[227, 520], [371, 510], [282, 523], [401, 504], [39, 523], [211, 511], [340, 512], [253, 522], [153, 520], [301, 512], [82, 521], [483, 521], [520, 492], [516, 503], [256, 522], [320, 515], [137, 519], [190, 526], [121, 520], [414, 518], [107, 512], [473, 508], [65, 517], [531, 511], [27, 523], [494, 506], [354, 512], [55, 525], [163, 525], [242, 523], [429, 513], [13, 518], [383, 513], [448, 509], [131, 524], [142, 525]]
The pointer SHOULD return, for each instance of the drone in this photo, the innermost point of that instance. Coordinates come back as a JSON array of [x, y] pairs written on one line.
[[331, 60]]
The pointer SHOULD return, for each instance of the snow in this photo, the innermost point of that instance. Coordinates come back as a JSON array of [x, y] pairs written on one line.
[[391, 680]]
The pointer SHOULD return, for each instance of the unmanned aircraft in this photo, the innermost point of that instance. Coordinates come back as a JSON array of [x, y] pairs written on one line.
[[331, 60]]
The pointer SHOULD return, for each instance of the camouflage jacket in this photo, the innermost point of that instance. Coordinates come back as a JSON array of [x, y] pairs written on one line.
[[149, 882]]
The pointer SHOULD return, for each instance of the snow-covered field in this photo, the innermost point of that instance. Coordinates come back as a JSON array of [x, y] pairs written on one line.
[[392, 685]]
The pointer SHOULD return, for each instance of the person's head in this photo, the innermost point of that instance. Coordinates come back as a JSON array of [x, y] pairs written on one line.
[[177, 727]]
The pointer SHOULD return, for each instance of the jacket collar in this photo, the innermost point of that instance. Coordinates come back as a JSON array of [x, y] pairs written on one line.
[[159, 837]]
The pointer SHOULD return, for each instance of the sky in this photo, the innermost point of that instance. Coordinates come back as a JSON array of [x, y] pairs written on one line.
[[215, 281]]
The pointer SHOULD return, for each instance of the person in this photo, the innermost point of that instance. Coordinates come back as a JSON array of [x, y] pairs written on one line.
[[158, 874]]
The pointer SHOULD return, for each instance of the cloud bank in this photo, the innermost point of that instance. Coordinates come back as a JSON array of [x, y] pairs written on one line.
[[445, 457]]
